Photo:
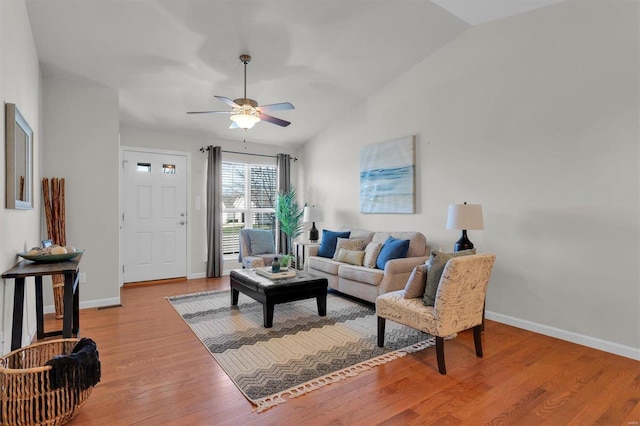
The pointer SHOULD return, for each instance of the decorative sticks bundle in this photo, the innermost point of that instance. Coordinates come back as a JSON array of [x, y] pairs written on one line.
[[55, 217]]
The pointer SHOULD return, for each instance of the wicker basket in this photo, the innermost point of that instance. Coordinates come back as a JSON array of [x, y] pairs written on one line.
[[25, 395]]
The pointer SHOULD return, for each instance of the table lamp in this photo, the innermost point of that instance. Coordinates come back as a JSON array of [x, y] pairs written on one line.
[[312, 214], [464, 216]]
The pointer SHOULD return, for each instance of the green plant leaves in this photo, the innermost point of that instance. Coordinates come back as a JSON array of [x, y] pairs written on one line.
[[289, 214]]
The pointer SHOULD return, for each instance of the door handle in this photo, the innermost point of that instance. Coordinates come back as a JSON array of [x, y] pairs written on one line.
[[182, 222]]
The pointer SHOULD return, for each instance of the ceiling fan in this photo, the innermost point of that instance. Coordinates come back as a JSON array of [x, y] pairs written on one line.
[[246, 112]]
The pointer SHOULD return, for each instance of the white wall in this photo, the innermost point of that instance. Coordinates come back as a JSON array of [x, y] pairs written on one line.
[[20, 84], [536, 118], [81, 127], [197, 231]]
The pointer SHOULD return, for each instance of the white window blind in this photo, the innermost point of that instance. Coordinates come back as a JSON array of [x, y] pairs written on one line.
[[249, 196]]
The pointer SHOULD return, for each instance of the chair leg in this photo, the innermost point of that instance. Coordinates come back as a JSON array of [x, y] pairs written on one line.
[[477, 339], [440, 355], [381, 324]]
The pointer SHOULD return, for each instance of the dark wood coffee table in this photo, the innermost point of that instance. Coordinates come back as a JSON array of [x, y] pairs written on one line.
[[271, 292]]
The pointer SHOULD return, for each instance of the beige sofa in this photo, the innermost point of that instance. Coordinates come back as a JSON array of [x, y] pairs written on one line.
[[368, 283]]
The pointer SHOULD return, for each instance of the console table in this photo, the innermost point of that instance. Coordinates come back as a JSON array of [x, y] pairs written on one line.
[[71, 295]]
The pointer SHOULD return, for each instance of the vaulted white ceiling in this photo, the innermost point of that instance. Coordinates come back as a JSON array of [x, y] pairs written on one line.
[[326, 57]]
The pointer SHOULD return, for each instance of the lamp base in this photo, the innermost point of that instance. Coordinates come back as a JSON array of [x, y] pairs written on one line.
[[313, 233], [463, 243]]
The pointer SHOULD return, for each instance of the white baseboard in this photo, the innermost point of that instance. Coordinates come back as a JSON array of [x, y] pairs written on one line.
[[204, 275], [580, 339], [99, 303]]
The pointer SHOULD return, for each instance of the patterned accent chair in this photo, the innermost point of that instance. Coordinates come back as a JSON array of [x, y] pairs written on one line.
[[459, 304], [257, 248]]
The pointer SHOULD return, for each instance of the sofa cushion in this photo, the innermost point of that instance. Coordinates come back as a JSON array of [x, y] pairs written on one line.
[[436, 266], [352, 257], [262, 242], [361, 274], [323, 264], [361, 234], [392, 249], [371, 253], [329, 241], [417, 241], [347, 244], [416, 283]]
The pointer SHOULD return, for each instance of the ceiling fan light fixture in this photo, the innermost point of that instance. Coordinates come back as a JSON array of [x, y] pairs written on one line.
[[245, 120]]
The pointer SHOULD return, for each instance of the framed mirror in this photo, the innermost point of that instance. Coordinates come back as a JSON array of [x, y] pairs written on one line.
[[19, 154]]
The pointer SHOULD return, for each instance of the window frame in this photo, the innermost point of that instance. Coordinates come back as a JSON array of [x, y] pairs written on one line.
[[248, 210]]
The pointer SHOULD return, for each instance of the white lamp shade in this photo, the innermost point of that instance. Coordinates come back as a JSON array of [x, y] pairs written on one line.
[[465, 216], [245, 120], [312, 214]]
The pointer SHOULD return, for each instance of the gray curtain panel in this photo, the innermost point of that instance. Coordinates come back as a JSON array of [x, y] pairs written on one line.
[[215, 260], [284, 184]]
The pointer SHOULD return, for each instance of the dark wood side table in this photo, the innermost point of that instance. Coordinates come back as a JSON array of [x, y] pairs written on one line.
[[302, 252], [71, 295]]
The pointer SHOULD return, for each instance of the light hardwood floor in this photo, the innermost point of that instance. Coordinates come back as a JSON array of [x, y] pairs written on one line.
[[155, 372]]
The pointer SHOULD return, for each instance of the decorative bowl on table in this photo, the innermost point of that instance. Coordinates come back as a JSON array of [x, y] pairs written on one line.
[[50, 255]]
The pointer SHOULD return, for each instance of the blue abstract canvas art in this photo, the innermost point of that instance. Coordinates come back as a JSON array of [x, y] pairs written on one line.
[[387, 177]]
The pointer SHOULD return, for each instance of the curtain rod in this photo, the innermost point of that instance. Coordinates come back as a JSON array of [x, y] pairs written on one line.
[[203, 149]]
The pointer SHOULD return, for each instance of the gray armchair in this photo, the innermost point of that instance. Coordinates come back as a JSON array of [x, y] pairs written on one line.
[[257, 248]]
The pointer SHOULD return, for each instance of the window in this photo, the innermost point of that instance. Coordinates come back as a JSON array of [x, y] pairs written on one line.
[[144, 168], [242, 182], [169, 169]]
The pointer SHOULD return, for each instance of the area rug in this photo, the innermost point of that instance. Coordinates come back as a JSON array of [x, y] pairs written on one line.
[[301, 352]]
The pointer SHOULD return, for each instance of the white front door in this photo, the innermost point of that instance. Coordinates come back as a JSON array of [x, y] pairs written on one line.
[[154, 216]]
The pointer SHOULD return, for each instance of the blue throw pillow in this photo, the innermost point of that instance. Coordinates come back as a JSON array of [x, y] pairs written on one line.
[[392, 249], [329, 241], [262, 242]]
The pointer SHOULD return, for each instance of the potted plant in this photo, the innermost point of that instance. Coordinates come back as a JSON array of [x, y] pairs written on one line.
[[289, 214], [285, 261]]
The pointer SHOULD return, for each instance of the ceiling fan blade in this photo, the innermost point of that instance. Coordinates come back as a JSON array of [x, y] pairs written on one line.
[[209, 112], [228, 101], [273, 120], [275, 107]]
